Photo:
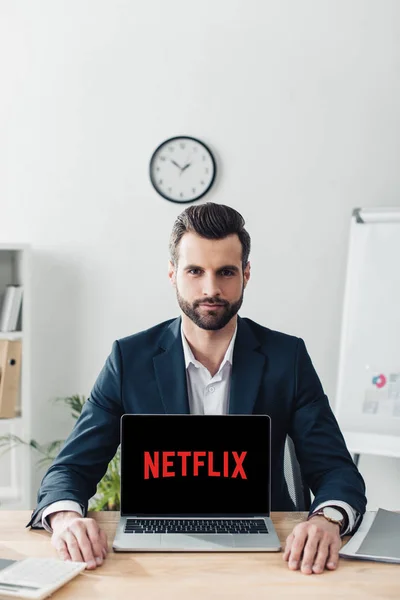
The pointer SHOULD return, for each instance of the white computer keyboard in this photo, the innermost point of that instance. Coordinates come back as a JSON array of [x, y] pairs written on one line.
[[36, 578]]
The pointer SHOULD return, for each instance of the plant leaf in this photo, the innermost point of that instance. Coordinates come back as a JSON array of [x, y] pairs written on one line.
[[74, 402], [107, 495]]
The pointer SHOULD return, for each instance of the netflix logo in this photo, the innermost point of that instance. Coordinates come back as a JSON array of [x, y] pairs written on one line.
[[170, 464]]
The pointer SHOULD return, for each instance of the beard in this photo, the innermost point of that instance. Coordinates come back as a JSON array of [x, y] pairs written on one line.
[[212, 320]]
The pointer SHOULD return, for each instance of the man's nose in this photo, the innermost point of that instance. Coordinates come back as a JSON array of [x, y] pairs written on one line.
[[211, 286]]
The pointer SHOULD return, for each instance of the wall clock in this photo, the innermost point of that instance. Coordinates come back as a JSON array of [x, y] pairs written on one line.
[[182, 169]]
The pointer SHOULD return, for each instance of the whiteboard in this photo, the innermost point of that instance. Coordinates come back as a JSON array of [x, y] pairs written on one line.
[[368, 387]]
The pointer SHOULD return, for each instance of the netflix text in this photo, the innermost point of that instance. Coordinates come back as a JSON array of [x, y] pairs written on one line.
[[185, 463]]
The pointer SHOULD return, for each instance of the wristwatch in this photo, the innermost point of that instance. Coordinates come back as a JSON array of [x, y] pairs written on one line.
[[333, 514]]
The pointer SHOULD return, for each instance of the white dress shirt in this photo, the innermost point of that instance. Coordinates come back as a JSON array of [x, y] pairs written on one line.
[[207, 395]]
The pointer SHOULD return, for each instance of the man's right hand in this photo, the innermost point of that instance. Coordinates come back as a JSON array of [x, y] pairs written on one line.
[[77, 538]]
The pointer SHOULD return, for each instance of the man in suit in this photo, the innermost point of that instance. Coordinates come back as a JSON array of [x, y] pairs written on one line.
[[209, 361]]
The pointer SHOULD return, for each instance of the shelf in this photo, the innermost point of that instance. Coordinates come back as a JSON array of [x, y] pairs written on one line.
[[16, 466], [13, 247], [11, 335], [11, 420]]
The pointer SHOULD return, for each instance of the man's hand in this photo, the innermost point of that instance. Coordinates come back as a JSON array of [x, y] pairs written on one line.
[[313, 545], [78, 538]]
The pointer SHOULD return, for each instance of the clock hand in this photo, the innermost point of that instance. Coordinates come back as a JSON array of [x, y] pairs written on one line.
[[176, 164], [186, 166]]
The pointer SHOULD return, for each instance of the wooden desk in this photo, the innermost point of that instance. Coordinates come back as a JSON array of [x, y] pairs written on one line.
[[188, 576]]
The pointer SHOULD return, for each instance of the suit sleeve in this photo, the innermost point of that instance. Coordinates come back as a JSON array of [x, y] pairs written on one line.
[[83, 459], [325, 462]]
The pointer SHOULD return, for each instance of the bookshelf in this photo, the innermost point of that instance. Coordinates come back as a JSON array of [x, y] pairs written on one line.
[[16, 464], [11, 335]]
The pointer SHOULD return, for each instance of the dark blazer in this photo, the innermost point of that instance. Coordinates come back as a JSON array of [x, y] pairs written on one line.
[[272, 374]]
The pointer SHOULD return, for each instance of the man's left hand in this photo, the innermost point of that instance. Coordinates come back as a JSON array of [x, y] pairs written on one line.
[[312, 545]]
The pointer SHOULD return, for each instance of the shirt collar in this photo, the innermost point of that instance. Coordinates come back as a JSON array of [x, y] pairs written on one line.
[[190, 359]]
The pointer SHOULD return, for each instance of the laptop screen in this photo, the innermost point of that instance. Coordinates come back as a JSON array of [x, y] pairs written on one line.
[[195, 465]]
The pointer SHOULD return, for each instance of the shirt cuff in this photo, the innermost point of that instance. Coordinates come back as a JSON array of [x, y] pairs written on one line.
[[41, 517], [351, 513]]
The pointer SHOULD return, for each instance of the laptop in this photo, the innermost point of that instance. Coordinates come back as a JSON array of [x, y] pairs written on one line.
[[192, 483]]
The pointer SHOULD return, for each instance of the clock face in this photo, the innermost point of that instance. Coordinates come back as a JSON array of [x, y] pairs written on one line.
[[182, 169]]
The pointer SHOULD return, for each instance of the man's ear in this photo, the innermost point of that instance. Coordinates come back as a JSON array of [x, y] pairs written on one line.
[[172, 273], [246, 274]]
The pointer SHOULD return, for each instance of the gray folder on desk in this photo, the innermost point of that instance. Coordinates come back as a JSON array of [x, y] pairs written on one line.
[[378, 538]]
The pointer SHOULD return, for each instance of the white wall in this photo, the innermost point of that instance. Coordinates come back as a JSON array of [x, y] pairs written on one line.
[[299, 99]]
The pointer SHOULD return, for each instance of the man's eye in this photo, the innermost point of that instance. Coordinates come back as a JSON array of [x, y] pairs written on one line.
[[194, 271], [227, 273]]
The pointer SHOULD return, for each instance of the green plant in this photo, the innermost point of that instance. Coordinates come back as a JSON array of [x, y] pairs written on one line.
[[107, 495]]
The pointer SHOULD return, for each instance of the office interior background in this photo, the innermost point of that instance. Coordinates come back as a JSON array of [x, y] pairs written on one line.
[[299, 101]]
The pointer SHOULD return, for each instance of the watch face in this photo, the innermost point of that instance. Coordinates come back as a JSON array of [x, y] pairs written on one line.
[[182, 169], [333, 513]]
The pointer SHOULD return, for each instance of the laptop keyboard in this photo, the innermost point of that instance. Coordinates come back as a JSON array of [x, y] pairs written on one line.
[[195, 526]]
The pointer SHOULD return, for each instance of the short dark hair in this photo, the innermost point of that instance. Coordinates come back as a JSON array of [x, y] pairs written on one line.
[[211, 221]]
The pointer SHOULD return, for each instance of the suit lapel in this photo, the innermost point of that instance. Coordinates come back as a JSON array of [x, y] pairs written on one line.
[[170, 371], [247, 370]]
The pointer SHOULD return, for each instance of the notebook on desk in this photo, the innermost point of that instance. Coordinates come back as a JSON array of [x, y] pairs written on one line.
[[195, 483], [35, 578], [377, 538]]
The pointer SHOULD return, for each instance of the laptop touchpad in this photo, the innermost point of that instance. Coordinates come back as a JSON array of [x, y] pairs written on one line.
[[251, 540], [197, 541]]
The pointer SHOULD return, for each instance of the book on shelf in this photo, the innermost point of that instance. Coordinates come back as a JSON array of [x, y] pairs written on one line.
[[11, 307], [10, 375]]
